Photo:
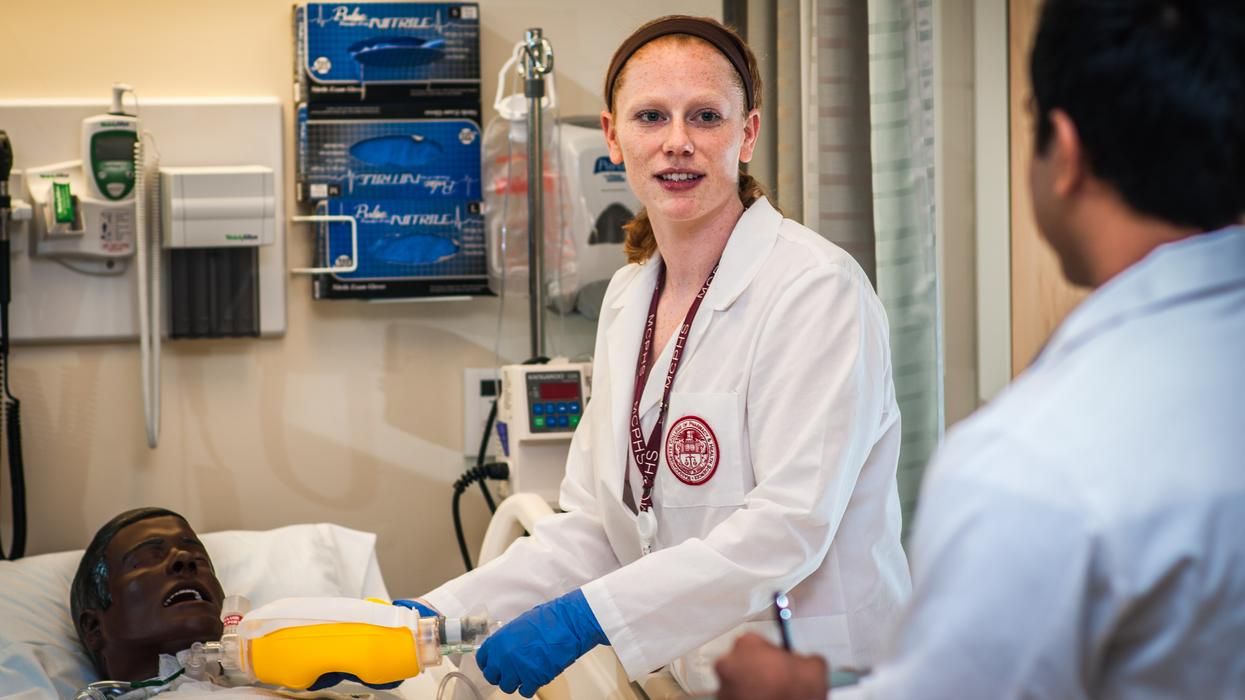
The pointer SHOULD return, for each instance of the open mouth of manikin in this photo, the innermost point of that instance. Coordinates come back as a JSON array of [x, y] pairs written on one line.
[[187, 594]]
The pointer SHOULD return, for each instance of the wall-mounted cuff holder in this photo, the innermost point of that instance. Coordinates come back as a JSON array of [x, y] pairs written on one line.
[[68, 223]]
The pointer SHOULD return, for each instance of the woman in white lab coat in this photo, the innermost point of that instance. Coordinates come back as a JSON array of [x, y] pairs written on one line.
[[759, 453]]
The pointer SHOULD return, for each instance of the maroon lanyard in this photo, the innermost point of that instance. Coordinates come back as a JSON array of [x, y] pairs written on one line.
[[646, 452]]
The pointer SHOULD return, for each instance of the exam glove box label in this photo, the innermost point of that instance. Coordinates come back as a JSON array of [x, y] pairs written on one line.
[[366, 43], [389, 159], [406, 249]]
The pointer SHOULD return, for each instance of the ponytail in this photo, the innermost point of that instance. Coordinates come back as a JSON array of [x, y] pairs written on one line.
[[639, 245]]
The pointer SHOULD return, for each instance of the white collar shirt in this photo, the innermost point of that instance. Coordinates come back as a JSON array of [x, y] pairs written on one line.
[[1084, 535]]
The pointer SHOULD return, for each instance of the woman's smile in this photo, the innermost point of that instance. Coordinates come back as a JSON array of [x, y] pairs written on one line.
[[678, 179]]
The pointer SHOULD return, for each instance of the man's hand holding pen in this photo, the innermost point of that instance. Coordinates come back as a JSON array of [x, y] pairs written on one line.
[[757, 670]]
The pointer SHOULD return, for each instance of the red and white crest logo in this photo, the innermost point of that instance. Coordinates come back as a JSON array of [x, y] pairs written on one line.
[[692, 450]]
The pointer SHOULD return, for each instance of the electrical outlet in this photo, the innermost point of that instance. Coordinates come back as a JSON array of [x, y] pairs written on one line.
[[480, 387]]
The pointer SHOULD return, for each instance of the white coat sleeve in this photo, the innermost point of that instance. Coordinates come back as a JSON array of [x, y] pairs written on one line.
[[1002, 583], [563, 552], [815, 408]]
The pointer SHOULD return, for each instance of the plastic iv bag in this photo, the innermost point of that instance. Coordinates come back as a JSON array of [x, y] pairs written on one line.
[[505, 196]]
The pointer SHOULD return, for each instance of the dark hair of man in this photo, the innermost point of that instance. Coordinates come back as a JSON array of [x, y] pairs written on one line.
[[1156, 89], [89, 590]]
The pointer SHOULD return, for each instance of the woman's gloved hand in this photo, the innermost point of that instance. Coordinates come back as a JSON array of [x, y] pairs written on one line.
[[422, 608], [536, 646], [329, 680]]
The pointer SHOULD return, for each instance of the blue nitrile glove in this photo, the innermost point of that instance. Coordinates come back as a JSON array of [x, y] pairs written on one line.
[[536, 646], [422, 608], [329, 680]]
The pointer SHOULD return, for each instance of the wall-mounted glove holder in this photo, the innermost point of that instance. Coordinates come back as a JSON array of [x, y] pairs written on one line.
[[338, 267]]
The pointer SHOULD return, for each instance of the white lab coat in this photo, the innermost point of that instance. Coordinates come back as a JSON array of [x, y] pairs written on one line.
[[1083, 536], [788, 363]]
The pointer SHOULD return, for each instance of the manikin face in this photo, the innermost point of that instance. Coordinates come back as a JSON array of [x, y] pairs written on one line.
[[680, 125], [165, 595]]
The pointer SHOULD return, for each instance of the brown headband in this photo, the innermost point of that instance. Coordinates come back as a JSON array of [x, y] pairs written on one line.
[[721, 39]]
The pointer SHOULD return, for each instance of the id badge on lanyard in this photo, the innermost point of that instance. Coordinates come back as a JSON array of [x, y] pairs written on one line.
[[646, 452]]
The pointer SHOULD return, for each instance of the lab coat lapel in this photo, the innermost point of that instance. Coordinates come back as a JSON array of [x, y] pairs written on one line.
[[624, 334], [746, 250]]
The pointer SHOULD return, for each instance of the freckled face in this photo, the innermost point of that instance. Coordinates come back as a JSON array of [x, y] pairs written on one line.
[[681, 127]]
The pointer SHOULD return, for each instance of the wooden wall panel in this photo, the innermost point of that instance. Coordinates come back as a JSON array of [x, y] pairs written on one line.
[[1040, 295]]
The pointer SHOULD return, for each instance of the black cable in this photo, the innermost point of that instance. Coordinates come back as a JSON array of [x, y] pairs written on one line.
[[469, 476], [484, 440], [488, 497], [5, 294], [473, 474], [458, 526], [492, 470], [12, 421], [12, 426], [13, 433], [481, 472]]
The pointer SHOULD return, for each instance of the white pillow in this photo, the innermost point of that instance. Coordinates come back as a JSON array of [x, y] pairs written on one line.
[[40, 655]]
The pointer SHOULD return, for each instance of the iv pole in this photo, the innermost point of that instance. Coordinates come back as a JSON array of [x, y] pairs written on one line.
[[537, 62]]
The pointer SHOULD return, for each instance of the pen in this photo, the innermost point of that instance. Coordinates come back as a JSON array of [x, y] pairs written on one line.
[[782, 612]]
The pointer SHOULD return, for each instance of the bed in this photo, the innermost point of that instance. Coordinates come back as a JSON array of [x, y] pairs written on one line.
[[40, 656]]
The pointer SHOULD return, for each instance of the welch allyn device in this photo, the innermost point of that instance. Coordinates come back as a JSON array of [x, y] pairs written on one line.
[[108, 150]]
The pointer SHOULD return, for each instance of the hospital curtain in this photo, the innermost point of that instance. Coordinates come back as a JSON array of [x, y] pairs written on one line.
[[848, 149], [901, 89]]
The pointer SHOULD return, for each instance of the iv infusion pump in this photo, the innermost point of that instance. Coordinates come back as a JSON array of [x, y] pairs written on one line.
[[538, 410]]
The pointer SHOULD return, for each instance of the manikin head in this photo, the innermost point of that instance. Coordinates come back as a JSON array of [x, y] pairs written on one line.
[[145, 587], [1140, 138]]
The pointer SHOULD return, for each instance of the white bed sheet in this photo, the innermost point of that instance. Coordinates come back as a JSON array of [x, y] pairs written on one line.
[[40, 656]]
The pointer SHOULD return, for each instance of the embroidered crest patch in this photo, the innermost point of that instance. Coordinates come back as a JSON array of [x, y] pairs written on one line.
[[692, 450]]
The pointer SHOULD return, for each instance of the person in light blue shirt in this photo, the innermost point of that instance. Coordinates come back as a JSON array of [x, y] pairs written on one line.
[[1084, 534]]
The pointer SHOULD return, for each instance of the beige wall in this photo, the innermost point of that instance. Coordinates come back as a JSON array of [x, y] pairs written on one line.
[[354, 416], [953, 182], [1041, 297]]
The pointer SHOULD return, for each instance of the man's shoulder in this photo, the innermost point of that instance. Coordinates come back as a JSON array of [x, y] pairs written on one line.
[[1101, 438]]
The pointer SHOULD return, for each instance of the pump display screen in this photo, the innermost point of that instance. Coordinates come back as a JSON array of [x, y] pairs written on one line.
[[554, 401], [550, 391]]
